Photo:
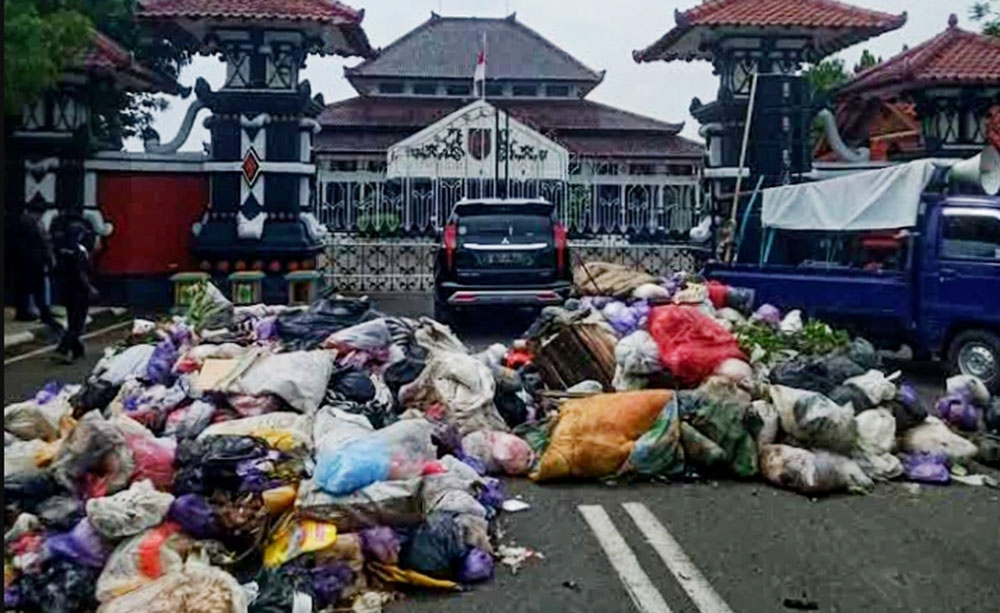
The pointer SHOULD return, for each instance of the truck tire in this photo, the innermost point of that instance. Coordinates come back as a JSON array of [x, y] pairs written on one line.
[[976, 352]]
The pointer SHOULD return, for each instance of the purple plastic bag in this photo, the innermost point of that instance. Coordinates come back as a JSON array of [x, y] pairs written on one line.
[[927, 468], [160, 367], [621, 318], [328, 581], [382, 544], [49, 391], [477, 567], [493, 495], [266, 329], [768, 313], [195, 516], [83, 545], [958, 410]]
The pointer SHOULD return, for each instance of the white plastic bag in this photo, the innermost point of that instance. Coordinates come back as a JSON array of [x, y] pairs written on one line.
[[299, 378], [814, 420], [791, 323], [873, 450], [971, 386], [21, 458], [810, 472], [129, 363], [769, 418], [876, 386], [333, 428], [650, 291], [463, 385], [372, 337], [198, 588], [499, 452], [129, 512], [935, 438], [30, 420], [126, 570], [283, 431]]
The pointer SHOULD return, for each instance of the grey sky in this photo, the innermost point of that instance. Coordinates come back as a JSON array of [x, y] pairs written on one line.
[[601, 34]]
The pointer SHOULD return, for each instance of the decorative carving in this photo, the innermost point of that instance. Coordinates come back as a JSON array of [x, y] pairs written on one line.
[[446, 147], [510, 148]]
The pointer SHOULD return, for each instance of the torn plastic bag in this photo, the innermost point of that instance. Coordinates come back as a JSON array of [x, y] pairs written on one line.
[[594, 436], [154, 459], [130, 512], [303, 330], [658, 452], [399, 451], [60, 587], [195, 516], [371, 338], [810, 472], [718, 410], [189, 421], [499, 452], [436, 547], [299, 378], [927, 468], [692, 345], [876, 439], [933, 437], [814, 420], [465, 387], [970, 386], [95, 448], [149, 406], [141, 559], [381, 544], [197, 588], [84, 544], [128, 364], [386, 503], [289, 432]]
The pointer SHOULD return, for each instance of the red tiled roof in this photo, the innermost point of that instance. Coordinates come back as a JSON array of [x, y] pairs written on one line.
[[104, 55], [954, 57], [848, 24], [305, 10]]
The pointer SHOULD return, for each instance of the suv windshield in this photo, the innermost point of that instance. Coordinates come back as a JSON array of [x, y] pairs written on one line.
[[522, 226]]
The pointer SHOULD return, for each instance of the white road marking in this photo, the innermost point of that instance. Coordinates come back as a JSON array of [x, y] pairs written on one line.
[[687, 574], [49, 348], [644, 594]]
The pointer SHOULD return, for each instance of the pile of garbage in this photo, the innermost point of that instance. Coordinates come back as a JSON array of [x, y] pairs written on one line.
[[271, 458], [259, 459]]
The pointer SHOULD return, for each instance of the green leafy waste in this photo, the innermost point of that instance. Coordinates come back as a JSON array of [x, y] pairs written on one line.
[[815, 338]]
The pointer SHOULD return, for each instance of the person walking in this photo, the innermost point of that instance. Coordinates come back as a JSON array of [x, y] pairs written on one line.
[[73, 278], [35, 261]]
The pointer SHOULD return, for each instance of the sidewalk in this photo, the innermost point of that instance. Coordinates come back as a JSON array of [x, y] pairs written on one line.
[[16, 333]]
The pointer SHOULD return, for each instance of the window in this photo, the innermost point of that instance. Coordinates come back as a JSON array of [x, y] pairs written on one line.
[[525, 90], [459, 90], [557, 91], [425, 89], [390, 88], [494, 89], [971, 234]]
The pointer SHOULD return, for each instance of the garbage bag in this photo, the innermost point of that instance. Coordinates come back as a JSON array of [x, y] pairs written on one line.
[[130, 363], [876, 387], [989, 450], [23, 459], [189, 421], [31, 419], [141, 559], [371, 339], [83, 545], [463, 385], [399, 451], [129, 512], [160, 367], [61, 586], [346, 553], [594, 436], [991, 416], [814, 420], [60, 512], [692, 345], [476, 567], [651, 291], [791, 323], [623, 319], [196, 588], [287, 432], [303, 330], [436, 547], [154, 459], [876, 439], [769, 423], [334, 427], [96, 394], [957, 409], [737, 371], [194, 515], [386, 503], [406, 369], [805, 373], [436, 337], [510, 398], [296, 536], [659, 452], [95, 449], [933, 437], [381, 544], [299, 378], [499, 452], [26, 491], [908, 408], [769, 314], [717, 410], [636, 356], [927, 468], [605, 279], [211, 463], [852, 395], [810, 472], [969, 386]]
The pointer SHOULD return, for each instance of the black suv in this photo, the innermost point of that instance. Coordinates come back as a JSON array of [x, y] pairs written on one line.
[[501, 252]]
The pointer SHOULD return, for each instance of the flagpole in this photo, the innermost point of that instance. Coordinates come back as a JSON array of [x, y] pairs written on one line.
[[482, 93]]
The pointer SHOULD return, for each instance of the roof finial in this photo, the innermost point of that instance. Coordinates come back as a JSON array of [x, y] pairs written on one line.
[[953, 21]]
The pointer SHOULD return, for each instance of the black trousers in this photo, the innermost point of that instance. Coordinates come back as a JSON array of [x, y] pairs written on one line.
[[77, 305], [31, 285]]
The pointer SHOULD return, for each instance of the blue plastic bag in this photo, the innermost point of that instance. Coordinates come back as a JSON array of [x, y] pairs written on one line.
[[352, 467]]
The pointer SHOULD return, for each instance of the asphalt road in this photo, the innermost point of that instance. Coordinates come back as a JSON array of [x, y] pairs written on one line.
[[750, 546]]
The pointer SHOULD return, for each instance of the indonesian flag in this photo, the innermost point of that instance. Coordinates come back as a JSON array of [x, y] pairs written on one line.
[[480, 74]]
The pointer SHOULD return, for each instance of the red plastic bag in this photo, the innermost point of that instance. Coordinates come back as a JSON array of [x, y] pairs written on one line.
[[154, 460], [717, 293], [692, 344]]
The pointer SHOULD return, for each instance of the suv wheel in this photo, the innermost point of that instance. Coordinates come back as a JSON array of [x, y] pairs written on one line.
[[977, 353]]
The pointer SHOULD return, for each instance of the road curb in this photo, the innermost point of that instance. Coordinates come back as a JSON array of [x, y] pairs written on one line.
[[17, 339]]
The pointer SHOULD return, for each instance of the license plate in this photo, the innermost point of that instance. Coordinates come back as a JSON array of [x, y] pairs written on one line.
[[507, 258]]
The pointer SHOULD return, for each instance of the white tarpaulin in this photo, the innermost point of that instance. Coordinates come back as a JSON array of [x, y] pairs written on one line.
[[881, 199]]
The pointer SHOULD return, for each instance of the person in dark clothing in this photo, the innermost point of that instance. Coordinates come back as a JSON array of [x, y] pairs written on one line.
[[73, 277], [34, 263]]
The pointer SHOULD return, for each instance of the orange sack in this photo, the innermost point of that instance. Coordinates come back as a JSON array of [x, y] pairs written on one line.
[[594, 436]]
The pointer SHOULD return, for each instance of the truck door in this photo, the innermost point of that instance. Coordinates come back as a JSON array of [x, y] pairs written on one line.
[[967, 283]]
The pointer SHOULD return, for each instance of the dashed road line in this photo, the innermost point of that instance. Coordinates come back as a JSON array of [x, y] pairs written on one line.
[[681, 567], [644, 594]]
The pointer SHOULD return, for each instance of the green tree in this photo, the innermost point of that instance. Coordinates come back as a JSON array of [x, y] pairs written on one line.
[[987, 13], [867, 61], [826, 76], [46, 36]]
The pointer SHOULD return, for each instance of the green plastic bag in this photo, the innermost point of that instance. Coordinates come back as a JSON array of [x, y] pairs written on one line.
[[658, 452]]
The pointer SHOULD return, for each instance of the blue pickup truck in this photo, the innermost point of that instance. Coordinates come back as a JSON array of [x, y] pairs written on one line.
[[938, 293]]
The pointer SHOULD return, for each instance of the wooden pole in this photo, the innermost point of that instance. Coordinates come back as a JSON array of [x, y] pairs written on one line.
[[743, 159]]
